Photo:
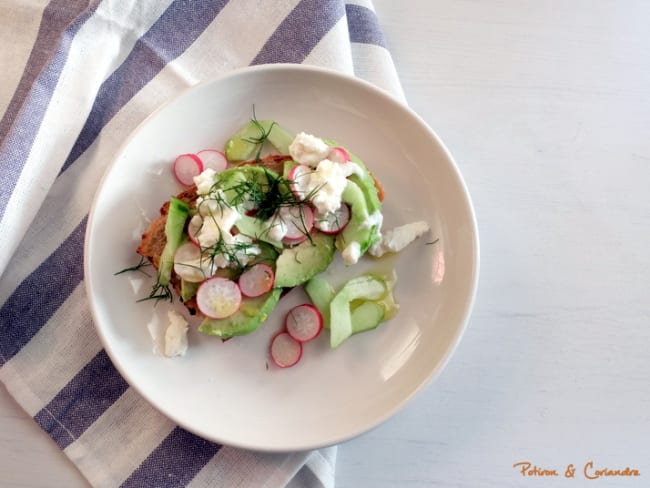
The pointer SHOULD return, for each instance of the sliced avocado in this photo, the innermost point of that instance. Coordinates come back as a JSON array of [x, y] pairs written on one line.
[[251, 313], [257, 229], [188, 289], [246, 143], [366, 287], [268, 254], [298, 264], [360, 228]]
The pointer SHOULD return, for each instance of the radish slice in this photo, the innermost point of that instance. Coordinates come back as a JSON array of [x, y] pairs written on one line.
[[218, 297], [304, 322], [296, 240], [333, 222], [256, 280], [298, 176], [285, 350], [213, 159], [338, 155], [299, 220], [194, 227], [186, 167], [187, 263]]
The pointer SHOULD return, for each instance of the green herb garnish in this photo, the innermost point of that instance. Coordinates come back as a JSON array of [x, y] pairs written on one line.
[[138, 267], [259, 140], [159, 292]]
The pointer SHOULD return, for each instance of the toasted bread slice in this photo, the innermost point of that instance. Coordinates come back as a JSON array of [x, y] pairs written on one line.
[[153, 239]]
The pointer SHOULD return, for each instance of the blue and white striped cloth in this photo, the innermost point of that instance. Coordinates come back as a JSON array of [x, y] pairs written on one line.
[[78, 77]]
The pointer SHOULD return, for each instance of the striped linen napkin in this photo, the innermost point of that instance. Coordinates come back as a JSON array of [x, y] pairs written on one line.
[[84, 74]]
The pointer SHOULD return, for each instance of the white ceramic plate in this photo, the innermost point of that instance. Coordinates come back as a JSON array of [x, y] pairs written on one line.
[[230, 392]]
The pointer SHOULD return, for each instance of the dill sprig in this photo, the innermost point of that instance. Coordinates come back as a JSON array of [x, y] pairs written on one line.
[[264, 135], [159, 292], [278, 194], [265, 194], [138, 267], [231, 251]]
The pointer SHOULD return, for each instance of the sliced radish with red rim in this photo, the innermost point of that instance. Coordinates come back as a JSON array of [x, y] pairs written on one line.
[[218, 297], [299, 220], [303, 322], [294, 241], [256, 280], [186, 167], [298, 177], [187, 263], [285, 350], [194, 227], [213, 159], [333, 222], [338, 155]]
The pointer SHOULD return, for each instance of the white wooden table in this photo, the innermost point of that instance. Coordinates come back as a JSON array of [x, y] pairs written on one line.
[[546, 107]]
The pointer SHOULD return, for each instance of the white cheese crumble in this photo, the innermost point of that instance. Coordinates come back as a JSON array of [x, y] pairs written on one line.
[[195, 270], [326, 183], [240, 254], [217, 225], [374, 219], [308, 149], [176, 335], [398, 238], [351, 253], [204, 181]]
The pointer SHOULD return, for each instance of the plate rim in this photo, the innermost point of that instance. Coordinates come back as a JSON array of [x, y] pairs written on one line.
[[376, 91]]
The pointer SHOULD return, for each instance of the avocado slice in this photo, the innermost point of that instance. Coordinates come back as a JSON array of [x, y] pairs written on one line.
[[251, 314], [253, 311], [188, 289], [257, 229], [361, 228], [298, 264]]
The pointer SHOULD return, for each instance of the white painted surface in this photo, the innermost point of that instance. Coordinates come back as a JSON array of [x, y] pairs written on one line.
[[546, 108]]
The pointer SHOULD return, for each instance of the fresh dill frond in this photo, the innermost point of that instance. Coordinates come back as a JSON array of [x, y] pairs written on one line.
[[264, 135], [230, 252], [159, 292], [138, 267], [265, 194]]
